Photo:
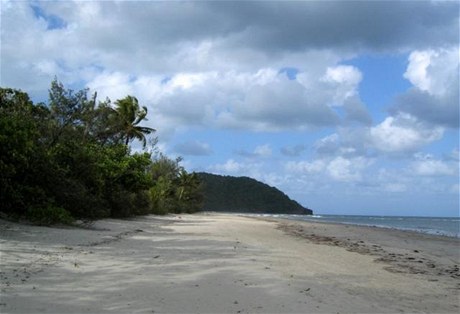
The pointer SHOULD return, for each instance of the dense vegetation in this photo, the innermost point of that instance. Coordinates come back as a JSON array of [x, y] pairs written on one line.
[[71, 158], [243, 194]]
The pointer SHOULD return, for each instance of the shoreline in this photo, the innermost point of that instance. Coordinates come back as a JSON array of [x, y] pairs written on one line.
[[373, 227], [405, 251], [221, 263], [413, 230]]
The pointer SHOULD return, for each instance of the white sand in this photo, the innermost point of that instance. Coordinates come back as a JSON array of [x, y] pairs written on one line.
[[217, 263]]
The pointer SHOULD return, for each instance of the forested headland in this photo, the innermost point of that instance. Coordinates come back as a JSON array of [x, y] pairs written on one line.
[[246, 195], [71, 158]]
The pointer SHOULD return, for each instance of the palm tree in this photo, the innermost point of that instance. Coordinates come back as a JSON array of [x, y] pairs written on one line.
[[129, 115], [188, 192]]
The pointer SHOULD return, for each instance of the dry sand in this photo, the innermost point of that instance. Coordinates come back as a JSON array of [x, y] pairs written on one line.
[[218, 263]]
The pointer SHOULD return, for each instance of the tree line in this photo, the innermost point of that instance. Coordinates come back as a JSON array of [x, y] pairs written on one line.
[[71, 159]]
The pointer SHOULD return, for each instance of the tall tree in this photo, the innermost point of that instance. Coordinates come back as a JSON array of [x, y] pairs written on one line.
[[129, 115], [67, 109]]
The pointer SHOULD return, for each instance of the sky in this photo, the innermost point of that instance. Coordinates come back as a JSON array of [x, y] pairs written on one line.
[[349, 107]]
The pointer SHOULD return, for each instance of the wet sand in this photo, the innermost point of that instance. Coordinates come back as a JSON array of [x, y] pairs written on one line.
[[219, 263]]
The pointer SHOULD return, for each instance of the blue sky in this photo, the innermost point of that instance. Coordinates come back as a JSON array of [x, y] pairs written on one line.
[[349, 107]]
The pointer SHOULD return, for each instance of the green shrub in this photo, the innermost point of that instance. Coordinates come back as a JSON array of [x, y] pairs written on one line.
[[49, 215]]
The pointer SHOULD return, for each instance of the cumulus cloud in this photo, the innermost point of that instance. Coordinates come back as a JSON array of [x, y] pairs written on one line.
[[171, 37], [416, 71], [351, 142], [281, 104], [306, 167], [264, 100], [328, 145], [433, 71], [434, 97], [427, 165], [347, 169], [254, 169], [116, 85], [403, 133], [210, 65], [263, 150], [229, 167], [340, 169], [346, 79]]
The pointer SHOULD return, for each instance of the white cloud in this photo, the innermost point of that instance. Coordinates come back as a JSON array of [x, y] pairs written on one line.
[[403, 133], [171, 37], [398, 136], [229, 167], [347, 170], [433, 71], [47, 67], [263, 100], [345, 78], [185, 71], [435, 95], [341, 169], [208, 82], [343, 74], [337, 83], [416, 71], [253, 169], [270, 101], [280, 104], [328, 145], [263, 150], [265, 76], [427, 165], [306, 167], [114, 85], [190, 80], [348, 142]]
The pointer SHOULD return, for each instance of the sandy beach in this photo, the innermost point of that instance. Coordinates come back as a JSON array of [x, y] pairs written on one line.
[[220, 263]]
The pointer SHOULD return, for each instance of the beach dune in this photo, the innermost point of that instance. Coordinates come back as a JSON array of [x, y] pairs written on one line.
[[222, 263]]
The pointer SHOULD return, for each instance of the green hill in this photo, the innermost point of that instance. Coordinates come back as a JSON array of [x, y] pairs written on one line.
[[243, 194]]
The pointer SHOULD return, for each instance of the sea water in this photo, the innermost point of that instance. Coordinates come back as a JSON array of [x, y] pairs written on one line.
[[446, 226]]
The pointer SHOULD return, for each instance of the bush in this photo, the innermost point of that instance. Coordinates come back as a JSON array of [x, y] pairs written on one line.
[[49, 215]]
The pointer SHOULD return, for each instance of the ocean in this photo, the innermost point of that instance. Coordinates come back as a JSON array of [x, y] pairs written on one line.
[[446, 226]]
